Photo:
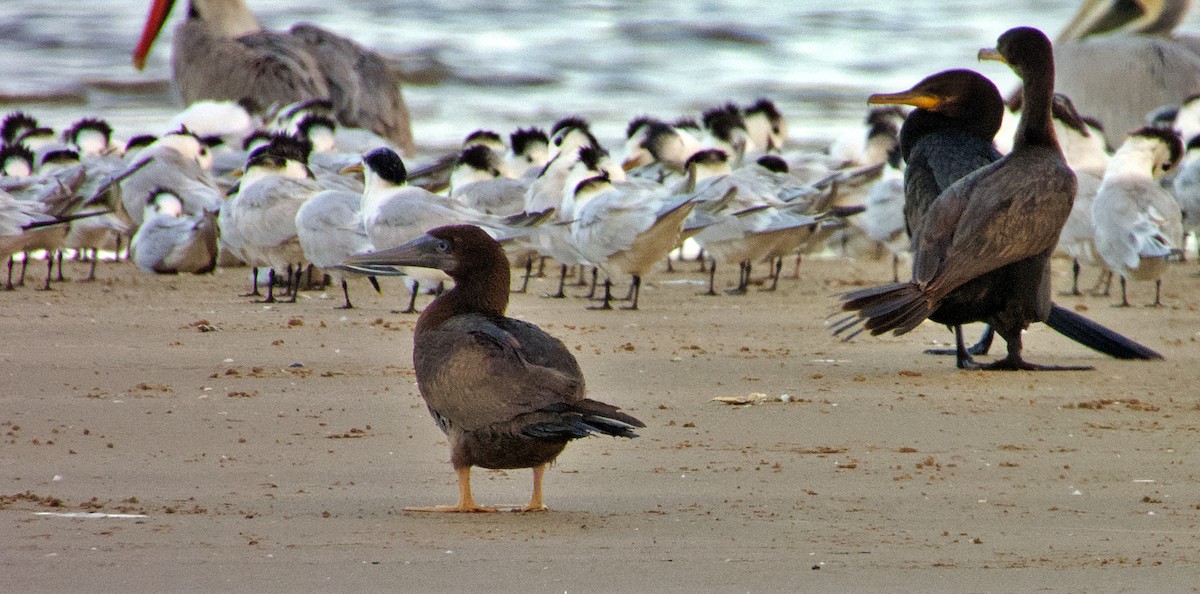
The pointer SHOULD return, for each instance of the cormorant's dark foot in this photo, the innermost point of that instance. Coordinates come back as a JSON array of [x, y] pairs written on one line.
[[254, 293], [409, 310], [1071, 293], [558, 295], [737, 291], [603, 306], [709, 293], [344, 306], [269, 299], [968, 364], [978, 348], [1010, 364], [1122, 304], [1155, 305]]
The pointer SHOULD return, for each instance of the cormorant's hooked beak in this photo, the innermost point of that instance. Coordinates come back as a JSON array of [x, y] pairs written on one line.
[[154, 23], [992, 54], [911, 97]]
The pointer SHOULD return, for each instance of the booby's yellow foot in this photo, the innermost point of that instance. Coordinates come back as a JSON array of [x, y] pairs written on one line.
[[452, 509]]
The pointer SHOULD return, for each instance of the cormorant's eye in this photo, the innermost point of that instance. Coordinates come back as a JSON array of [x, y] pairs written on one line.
[[443, 245]]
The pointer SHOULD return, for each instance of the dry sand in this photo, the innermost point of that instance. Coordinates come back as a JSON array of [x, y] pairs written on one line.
[[889, 470]]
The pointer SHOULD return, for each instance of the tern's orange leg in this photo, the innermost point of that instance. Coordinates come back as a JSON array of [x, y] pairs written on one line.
[[466, 503]]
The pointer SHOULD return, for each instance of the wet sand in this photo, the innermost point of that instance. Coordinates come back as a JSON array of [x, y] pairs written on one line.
[[178, 401]]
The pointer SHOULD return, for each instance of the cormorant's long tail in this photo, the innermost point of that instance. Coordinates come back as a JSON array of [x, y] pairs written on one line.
[[898, 307], [1095, 336]]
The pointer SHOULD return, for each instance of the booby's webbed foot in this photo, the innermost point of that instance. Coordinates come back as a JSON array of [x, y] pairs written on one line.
[[459, 509]]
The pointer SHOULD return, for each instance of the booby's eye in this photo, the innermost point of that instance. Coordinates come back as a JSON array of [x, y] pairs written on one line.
[[443, 245], [1166, 166]]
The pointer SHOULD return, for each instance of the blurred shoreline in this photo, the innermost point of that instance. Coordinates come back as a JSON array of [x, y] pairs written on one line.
[[476, 65]]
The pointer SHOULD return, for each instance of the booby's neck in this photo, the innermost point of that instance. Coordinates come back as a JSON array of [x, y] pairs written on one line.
[[481, 287]]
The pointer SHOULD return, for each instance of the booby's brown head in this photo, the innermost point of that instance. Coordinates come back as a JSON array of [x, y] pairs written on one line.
[[470, 256]]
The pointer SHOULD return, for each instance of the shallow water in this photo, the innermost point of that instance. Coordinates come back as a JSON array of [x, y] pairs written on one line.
[[530, 62]]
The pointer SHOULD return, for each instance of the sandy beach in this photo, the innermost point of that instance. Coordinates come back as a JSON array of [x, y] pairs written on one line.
[[232, 446]]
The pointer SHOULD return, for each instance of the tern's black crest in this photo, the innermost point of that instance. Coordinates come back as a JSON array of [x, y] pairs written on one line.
[[256, 137], [480, 157], [885, 114], [288, 146], [16, 152], [687, 123], [706, 157], [72, 134], [722, 121], [60, 157], [772, 163], [523, 138], [592, 182], [637, 124], [1168, 138], [482, 137], [570, 122], [657, 134], [140, 141], [591, 156], [767, 108], [386, 164], [313, 121], [15, 124], [1063, 110]]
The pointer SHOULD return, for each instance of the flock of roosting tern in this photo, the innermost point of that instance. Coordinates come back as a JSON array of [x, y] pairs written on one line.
[[980, 193]]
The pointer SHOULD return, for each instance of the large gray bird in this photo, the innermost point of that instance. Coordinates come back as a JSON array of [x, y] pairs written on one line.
[[222, 52], [1119, 60]]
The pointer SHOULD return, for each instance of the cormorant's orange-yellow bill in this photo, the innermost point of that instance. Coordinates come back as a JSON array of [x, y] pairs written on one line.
[[913, 98]]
